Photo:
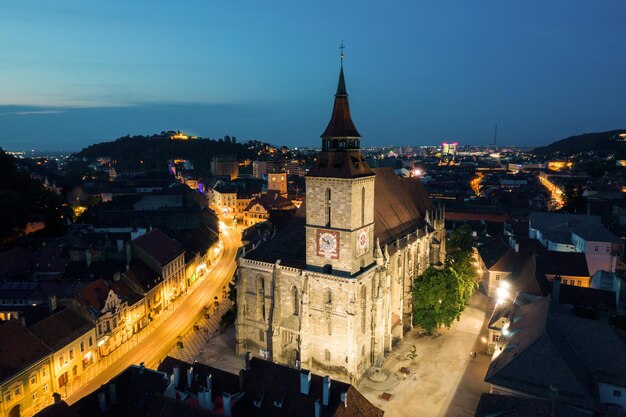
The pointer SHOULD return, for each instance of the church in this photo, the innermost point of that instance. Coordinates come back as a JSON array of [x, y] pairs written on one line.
[[331, 291]]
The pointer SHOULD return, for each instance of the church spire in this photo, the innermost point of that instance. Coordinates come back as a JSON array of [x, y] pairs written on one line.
[[341, 132]]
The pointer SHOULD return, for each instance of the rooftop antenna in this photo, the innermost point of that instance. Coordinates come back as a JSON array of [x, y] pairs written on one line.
[[341, 48], [495, 137]]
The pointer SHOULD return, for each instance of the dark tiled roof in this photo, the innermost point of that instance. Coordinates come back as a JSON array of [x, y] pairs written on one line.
[[549, 350], [136, 391], [563, 263], [142, 275], [400, 205], [595, 299], [271, 200], [159, 246], [60, 409], [61, 328], [492, 251], [276, 382], [491, 405], [19, 348], [340, 164]]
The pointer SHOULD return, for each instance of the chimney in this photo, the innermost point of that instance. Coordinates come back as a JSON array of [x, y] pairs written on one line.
[[116, 276], [344, 398], [52, 303], [102, 402], [112, 394], [247, 359], [305, 382], [142, 367], [56, 397], [189, 377], [554, 391], [556, 288], [326, 390], [209, 381], [242, 379], [176, 376], [516, 247], [318, 408], [228, 411], [128, 253]]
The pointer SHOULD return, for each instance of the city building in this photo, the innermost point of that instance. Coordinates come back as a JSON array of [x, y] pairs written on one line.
[[72, 338], [166, 258], [25, 371], [277, 181], [332, 290], [225, 165]]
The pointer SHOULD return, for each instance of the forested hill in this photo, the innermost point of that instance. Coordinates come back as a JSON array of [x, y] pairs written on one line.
[[144, 153], [601, 144]]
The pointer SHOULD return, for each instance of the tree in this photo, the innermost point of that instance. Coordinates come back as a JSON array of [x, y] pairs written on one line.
[[439, 298], [441, 295]]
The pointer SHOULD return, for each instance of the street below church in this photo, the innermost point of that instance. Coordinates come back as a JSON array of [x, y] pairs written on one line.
[[154, 346], [443, 378]]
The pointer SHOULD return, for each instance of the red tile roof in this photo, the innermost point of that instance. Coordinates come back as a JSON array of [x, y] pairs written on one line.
[[159, 246], [19, 348], [61, 328]]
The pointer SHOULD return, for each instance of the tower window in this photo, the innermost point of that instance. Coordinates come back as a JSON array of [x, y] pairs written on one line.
[[296, 304], [328, 208], [363, 206]]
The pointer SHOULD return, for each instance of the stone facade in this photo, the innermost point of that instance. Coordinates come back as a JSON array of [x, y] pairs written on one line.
[[331, 292]]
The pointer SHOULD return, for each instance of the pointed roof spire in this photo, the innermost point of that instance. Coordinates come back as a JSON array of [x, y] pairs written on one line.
[[341, 125]]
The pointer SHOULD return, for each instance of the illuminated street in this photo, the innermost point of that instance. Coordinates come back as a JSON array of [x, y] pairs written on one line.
[[556, 194], [155, 346]]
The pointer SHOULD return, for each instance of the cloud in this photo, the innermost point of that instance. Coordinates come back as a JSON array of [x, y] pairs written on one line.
[[29, 112]]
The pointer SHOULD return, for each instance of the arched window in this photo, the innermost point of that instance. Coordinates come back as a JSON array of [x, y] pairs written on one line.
[[363, 309], [328, 303], [327, 203], [363, 206], [295, 301], [328, 297], [260, 288]]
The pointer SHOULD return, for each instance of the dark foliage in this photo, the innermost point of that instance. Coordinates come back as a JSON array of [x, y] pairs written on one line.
[[601, 144]]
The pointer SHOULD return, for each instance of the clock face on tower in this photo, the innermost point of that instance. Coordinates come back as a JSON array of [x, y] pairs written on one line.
[[362, 243], [327, 243]]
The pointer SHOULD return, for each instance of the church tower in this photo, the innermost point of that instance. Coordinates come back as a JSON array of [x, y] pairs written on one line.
[[340, 198]]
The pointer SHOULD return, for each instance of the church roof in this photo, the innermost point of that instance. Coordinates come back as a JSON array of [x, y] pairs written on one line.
[[340, 124], [399, 207], [340, 164]]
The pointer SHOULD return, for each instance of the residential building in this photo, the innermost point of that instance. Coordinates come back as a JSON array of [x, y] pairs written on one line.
[[25, 371], [225, 165], [548, 352], [72, 338], [166, 258]]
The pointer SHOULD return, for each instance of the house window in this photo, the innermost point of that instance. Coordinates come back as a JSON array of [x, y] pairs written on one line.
[[596, 248], [607, 249], [327, 355], [579, 283], [17, 391], [90, 341], [497, 277], [495, 338], [44, 372], [33, 380], [45, 387], [82, 347], [261, 335], [71, 354], [617, 393], [61, 360], [7, 397], [35, 395]]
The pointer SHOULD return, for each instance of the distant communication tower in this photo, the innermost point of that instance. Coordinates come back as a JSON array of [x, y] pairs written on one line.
[[495, 137]]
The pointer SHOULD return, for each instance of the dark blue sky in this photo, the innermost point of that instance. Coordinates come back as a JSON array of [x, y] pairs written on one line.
[[74, 72]]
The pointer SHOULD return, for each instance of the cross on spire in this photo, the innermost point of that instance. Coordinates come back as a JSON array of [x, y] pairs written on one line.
[[341, 48]]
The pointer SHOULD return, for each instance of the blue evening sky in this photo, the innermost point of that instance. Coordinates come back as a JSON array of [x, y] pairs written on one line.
[[75, 72]]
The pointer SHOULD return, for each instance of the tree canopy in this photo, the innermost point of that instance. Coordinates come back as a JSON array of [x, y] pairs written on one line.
[[441, 295]]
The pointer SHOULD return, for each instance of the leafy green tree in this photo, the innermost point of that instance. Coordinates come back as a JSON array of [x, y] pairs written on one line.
[[441, 295]]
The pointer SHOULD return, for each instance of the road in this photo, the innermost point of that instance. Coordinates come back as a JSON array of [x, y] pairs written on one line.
[[155, 346]]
